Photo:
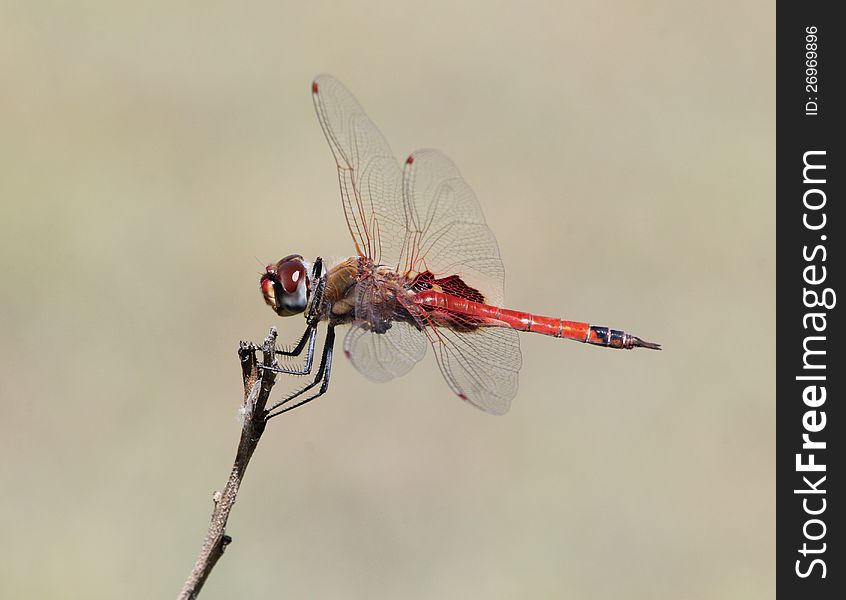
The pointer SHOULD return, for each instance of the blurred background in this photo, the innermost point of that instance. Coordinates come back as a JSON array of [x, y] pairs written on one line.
[[154, 156]]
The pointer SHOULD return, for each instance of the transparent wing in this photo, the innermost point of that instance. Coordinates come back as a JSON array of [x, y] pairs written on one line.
[[481, 366], [383, 356], [424, 219], [447, 233], [381, 343], [368, 173]]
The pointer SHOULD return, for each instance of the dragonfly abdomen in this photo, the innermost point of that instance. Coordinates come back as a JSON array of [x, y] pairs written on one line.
[[495, 316]]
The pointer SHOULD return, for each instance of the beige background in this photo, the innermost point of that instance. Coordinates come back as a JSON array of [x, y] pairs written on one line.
[[153, 157]]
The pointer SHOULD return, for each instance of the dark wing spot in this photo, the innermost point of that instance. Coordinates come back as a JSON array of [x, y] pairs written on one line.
[[452, 285], [455, 286]]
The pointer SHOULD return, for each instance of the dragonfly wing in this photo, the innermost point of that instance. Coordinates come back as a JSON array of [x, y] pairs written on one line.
[[448, 237], [447, 233], [382, 343], [368, 173], [481, 366], [383, 356], [425, 218]]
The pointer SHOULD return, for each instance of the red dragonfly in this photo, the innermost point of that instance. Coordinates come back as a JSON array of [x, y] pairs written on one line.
[[426, 271]]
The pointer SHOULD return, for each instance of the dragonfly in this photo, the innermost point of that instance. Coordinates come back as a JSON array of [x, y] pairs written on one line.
[[426, 272]]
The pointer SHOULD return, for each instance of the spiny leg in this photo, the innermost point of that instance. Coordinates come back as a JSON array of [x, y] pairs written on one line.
[[310, 335], [297, 350], [323, 374]]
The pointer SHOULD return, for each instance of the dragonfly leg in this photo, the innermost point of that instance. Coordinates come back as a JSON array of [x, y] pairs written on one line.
[[297, 350], [309, 336], [322, 377]]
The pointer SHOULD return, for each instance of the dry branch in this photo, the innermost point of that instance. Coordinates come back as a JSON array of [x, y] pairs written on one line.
[[257, 385]]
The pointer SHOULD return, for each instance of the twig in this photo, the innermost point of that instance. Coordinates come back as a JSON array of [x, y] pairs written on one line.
[[257, 385]]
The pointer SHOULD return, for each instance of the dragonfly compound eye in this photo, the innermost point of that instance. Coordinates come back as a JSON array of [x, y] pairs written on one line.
[[291, 274]]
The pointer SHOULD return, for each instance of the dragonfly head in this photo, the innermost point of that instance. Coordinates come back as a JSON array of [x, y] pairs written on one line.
[[285, 286]]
